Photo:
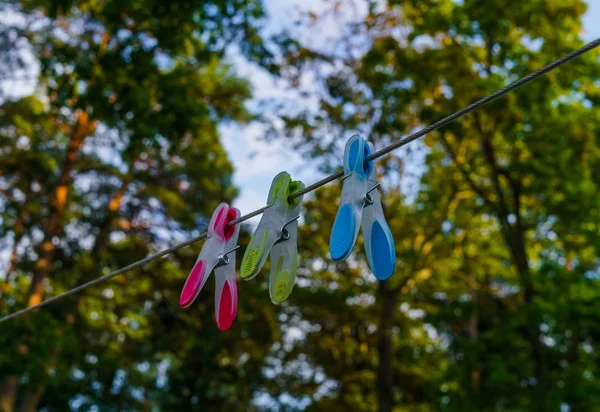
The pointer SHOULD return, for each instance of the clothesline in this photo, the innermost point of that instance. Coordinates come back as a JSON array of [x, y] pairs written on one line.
[[380, 153]]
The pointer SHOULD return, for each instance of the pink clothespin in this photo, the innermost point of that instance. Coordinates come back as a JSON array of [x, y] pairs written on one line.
[[220, 242]]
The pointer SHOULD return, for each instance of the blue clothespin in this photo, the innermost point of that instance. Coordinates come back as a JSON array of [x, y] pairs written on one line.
[[360, 203]]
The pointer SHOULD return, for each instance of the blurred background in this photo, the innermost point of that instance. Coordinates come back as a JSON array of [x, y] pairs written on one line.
[[123, 124]]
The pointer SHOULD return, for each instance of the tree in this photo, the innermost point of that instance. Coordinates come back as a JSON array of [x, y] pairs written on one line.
[[526, 162], [117, 154]]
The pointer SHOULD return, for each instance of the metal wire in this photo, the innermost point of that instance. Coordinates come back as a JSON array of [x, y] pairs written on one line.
[[330, 178], [486, 100], [105, 277]]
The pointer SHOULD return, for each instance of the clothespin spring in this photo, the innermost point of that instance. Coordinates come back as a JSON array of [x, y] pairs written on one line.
[[285, 235], [223, 258], [368, 199]]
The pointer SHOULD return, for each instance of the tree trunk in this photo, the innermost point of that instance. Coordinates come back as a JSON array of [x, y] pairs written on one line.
[[8, 393], [517, 247], [83, 128], [473, 328], [12, 263], [112, 212], [514, 236], [385, 348], [31, 400], [52, 229]]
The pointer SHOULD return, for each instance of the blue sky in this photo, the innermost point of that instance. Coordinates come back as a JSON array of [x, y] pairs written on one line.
[[257, 162], [592, 20]]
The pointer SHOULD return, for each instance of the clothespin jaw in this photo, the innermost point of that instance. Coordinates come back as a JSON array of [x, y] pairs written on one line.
[[284, 257], [275, 234], [218, 249], [360, 204], [355, 186]]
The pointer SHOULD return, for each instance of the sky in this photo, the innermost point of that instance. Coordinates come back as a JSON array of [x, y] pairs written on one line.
[[257, 162]]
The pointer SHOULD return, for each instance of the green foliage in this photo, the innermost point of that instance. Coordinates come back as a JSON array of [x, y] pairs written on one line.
[[116, 155], [494, 303], [498, 240]]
